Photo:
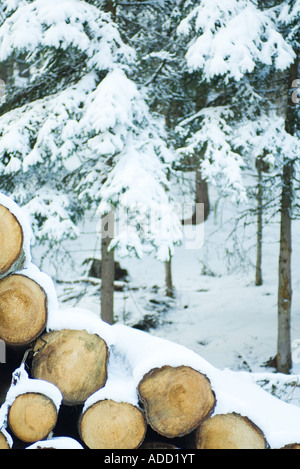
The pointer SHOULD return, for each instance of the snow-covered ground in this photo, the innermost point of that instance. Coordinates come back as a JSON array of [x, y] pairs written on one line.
[[217, 311]]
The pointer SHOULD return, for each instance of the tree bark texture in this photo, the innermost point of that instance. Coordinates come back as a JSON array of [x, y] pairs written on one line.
[[107, 269], [168, 278], [111, 6], [258, 270], [201, 197], [284, 353]]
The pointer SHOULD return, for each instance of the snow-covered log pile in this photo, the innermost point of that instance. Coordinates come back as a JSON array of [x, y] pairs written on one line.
[[125, 388]]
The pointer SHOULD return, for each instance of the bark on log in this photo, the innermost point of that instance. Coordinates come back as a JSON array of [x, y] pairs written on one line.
[[32, 417], [292, 446], [229, 431], [3, 442], [23, 310], [112, 425], [158, 445], [75, 361], [176, 399], [11, 242]]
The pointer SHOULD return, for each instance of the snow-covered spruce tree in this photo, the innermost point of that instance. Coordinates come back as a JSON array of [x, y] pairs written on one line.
[[68, 50], [225, 43], [150, 28], [134, 172], [172, 91], [83, 135]]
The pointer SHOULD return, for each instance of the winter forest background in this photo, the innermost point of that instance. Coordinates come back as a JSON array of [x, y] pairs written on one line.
[[132, 115]]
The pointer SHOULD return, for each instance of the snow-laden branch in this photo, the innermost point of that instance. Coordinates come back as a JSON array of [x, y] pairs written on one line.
[[229, 38]]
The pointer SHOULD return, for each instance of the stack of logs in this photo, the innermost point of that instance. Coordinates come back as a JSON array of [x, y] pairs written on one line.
[[174, 407]]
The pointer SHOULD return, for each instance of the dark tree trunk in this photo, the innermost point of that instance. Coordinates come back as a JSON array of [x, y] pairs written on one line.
[[111, 6], [107, 269], [284, 353], [168, 278], [202, 197], [258, 272]]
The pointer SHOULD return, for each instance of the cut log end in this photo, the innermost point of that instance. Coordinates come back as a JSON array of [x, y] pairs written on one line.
[[23, 310], [75, 361], [176, 399], [229, 431], [113, 425], [3, 442], [11, 240], [32, 417]]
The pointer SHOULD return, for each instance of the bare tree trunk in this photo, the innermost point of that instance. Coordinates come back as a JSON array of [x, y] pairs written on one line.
[[168, 277], [201, 197], [111, 6], [202, 193], [107, 269], [284, 353], [258, 272]]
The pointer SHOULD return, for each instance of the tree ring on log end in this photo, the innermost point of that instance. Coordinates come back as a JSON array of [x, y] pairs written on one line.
[[109, 424], [176, 399], [32, 417], [11, 240], [74, 360], [229, 431], [23, 310]]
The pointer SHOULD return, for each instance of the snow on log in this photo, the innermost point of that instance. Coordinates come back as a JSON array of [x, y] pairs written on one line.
[[229, 431], [23, 309], [15, 235], [62, 442], [236, 392], [176, 399], [112, 418], [31, 407], [136, 362], [175, 395], [74, 360], [109, 424]]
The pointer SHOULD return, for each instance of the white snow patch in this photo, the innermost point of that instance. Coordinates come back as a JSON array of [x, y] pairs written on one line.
[[57, 443], [80, 319], [45, 282], [22, 384]]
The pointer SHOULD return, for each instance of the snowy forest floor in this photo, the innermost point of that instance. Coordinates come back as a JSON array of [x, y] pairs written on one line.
[[217, 310]]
